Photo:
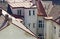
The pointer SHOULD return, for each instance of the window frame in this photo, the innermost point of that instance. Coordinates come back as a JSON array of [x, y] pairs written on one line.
[[33, 12], [41, 24], [29, 12], [33, 25], [18, 12]]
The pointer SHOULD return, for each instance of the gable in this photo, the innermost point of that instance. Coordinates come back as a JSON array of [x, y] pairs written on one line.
[[13, 32]]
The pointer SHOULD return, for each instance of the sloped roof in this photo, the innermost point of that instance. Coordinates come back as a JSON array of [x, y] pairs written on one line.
[[41, 10], [1, 20], [55, 13], [17, 23], [25, 4]]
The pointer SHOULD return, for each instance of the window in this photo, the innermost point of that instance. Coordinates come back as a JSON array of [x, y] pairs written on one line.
[[33, 12], [29, 25], [19, 12], [41, 24], [33, 25], [59, 33], [29, 13], [54, 29]]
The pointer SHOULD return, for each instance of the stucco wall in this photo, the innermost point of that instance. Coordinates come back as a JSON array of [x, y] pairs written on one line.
[[51, 33], [15, 11], [49, 29], [40, 30], [56, 36], [30, 19], [13, 32]]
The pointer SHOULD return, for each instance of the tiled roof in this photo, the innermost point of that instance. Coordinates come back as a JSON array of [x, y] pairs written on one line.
[[25, 4], [55, 13], [41, 10]]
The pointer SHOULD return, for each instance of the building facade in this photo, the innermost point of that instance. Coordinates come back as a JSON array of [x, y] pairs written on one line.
[[41, 17], [13, 28]]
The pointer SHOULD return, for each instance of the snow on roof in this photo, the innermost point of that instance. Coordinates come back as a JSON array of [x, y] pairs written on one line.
[[17, 23]]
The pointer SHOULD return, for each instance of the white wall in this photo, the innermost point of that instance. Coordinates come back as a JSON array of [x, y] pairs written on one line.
[[15, 10], [49, 30], [13, 32], [30, 19], [56, 36], [41, 19]]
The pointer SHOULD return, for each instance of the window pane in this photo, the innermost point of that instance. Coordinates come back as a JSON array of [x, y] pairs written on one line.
[[29, 13], [54, 29], [19, 12], [33, 12], [41, 24], [29, 25], [40, 21]]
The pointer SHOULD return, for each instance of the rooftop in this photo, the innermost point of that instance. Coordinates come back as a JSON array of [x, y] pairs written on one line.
[[25, 4], [15, 22], [41, 10]]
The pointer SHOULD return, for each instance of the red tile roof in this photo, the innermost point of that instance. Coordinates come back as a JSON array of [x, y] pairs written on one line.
[[41, 10]]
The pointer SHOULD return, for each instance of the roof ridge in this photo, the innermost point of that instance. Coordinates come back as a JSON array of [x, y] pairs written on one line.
[[26, 29]]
